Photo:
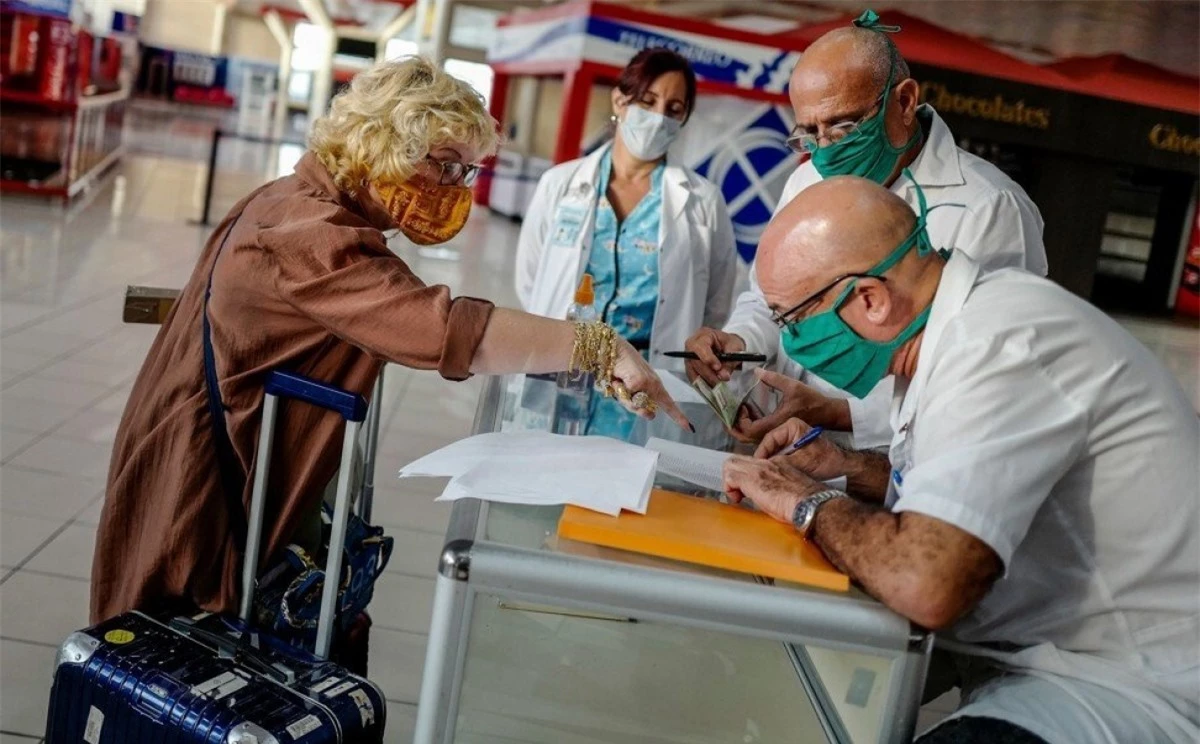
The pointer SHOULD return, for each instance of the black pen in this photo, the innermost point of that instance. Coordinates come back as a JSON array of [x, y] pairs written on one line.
[[735, 356]]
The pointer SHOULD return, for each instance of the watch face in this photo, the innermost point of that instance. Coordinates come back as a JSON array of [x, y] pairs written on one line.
[[798, 514], [804, 515]]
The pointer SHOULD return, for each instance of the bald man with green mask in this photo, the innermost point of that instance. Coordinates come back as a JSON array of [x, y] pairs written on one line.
[[858, 112], [1037, 506]]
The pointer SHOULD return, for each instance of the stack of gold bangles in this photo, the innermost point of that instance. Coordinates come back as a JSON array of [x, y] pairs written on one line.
[[595, 353]]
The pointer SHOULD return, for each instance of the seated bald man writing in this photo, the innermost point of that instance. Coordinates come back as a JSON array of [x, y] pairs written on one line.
[[1038, 506]]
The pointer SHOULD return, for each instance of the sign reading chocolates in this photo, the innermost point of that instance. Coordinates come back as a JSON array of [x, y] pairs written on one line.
[[993, 108], [1061, 121]]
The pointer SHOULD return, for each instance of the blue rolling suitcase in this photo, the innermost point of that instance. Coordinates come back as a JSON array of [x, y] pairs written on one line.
[[212, 679]]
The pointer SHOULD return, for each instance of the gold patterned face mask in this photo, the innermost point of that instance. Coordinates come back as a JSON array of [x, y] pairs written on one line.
[[426, 213]]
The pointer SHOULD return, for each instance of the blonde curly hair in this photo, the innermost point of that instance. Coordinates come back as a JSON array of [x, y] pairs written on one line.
[[390, 119]]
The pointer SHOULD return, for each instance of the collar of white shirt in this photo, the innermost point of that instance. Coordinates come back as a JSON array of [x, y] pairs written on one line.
[[958, 278], [586, 178], [937, 164]]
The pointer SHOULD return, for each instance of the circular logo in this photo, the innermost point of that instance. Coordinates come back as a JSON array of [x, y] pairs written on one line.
[[119, 637]]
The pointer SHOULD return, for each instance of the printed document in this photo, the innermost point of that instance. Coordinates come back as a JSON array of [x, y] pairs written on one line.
[[534, 467]]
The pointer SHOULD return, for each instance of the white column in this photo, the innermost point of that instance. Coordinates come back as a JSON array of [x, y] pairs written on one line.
[[392, 29], [443, 16], [434, 18], [322, 84], [279, 30], [423, 19], [528, 89]]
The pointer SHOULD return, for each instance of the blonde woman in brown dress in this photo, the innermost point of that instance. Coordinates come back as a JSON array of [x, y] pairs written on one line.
[[302, 279]]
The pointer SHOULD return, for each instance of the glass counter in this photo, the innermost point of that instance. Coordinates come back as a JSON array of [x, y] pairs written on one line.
[[540, 639]]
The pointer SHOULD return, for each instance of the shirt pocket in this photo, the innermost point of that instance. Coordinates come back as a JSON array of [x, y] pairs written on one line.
[[568, 223], [1171, 647]]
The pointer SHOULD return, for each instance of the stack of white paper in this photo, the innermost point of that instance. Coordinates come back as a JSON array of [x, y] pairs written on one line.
[[535, 467], [699, 465]]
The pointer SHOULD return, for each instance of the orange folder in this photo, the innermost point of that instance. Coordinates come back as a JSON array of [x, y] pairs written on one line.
[[704, 531]]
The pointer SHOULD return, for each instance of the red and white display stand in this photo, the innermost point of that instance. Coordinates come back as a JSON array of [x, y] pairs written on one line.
[[64, 105]]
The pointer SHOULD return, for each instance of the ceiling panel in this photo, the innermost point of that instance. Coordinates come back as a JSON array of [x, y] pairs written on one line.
[[1162, 32]]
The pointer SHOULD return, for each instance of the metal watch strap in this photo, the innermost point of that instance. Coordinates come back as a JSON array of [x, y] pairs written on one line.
[[806, 510]]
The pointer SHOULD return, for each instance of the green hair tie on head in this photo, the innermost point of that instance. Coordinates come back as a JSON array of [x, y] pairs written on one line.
[[870, 20]]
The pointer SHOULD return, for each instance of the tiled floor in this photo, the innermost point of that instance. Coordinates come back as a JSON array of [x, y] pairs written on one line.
[[67, 363]]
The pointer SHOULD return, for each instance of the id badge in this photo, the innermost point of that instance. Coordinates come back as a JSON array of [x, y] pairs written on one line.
[[568, 222]]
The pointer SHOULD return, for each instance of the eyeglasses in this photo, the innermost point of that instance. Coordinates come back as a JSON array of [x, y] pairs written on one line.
[[453, 172], [808, 139], [788, 318]]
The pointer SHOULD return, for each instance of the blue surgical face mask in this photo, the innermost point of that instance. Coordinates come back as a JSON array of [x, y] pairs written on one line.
[[827, 346], [647, 134]]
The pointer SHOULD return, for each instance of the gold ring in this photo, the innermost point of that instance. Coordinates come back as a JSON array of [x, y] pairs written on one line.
[[643, 401], [620, 391]]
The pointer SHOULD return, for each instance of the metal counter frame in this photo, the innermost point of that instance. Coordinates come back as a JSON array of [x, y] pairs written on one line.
[[470, 565]]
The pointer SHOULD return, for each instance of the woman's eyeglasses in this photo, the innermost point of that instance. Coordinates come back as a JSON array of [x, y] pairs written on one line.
[[453, 172]]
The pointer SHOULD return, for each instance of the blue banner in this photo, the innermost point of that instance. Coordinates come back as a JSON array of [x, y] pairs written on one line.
[[60, 8], [709, 62], [744, 180]]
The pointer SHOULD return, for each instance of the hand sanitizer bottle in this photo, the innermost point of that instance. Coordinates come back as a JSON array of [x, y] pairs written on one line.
[[575, 388]]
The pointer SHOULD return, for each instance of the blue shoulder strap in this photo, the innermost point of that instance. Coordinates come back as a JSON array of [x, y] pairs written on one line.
[[233, 481]]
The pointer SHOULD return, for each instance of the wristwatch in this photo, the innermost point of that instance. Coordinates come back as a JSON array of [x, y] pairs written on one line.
[[806, 510]]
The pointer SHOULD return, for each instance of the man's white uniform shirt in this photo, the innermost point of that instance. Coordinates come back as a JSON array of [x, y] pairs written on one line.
[[987, 216]]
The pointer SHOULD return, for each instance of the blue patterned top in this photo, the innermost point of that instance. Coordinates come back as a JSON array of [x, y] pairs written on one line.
[[624, 257]]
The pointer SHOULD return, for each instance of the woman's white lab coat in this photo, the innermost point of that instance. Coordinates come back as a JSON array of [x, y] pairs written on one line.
[[697, 259]]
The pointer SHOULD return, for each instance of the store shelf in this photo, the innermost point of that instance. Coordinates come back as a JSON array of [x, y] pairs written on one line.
[[33, 99], [24, 187], [88, 179], [57, 147], [104, 99]]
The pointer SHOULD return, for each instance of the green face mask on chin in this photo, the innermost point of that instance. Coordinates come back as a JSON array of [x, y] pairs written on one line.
[[827, 346], [866, 152]]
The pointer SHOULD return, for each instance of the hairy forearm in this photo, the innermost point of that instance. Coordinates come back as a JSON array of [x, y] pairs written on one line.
[[867, 475], [515, 341], [930, 574], [832, 413]]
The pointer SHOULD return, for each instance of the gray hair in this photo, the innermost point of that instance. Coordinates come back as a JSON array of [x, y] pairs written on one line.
[[874, 49]]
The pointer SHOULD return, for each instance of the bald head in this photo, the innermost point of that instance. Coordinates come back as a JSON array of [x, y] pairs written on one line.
[[852, 54], [841, 76], [836, 226]]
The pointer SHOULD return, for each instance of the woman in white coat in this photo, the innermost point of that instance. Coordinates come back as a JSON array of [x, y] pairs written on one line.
[[655, 237]]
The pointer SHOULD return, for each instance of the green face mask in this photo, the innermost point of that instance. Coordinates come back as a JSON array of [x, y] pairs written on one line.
[[829, 348], [866, 152]]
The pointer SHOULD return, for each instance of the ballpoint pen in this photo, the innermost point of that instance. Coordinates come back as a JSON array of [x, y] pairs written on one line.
[[809, 437], [733, 356]]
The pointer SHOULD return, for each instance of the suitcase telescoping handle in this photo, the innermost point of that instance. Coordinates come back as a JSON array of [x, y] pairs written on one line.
[[366, 499], [352, 408]]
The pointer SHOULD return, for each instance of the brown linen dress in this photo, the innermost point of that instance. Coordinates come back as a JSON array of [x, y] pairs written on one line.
[[306, 283]]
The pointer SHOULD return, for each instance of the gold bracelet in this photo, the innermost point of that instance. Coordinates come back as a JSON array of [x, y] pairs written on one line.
[[595, 353]]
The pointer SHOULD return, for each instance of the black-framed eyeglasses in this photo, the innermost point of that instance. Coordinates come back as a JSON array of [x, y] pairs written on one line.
[[454, 172], [802, 140], [786, 318]]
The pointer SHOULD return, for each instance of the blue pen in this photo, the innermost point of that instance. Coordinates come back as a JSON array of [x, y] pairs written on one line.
[[808, 438]]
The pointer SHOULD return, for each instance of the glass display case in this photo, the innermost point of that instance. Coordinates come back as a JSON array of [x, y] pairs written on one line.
[[539, 639]]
